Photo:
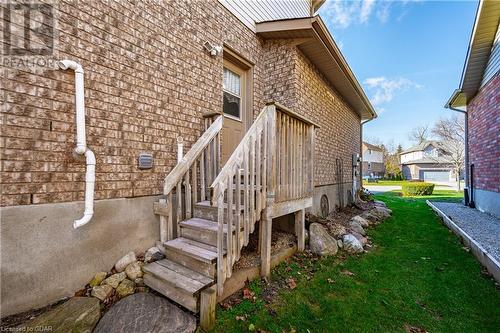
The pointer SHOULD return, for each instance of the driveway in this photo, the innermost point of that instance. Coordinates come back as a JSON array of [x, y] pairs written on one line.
[[381, 189]]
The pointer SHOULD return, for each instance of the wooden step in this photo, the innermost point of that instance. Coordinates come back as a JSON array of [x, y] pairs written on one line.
[[204, 210], [177, 282], [201, 230], [197, 256]]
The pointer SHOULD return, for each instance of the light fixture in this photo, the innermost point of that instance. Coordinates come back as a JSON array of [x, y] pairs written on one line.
[[214, 50]]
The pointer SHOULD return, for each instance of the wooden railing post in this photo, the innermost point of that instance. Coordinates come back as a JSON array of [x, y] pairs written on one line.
[[267, 222], [311, 160]]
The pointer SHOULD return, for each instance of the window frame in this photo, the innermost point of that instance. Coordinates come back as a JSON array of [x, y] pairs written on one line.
[[242, 73]]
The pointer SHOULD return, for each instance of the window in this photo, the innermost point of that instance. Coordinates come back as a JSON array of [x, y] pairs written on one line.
[[232, 94], [369, 151]]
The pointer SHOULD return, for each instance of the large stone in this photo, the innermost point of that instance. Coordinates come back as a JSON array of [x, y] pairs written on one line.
[[363, 240], [102, 292], [379, 203], [361, 220], [356, 227], [383, 212], [97, 279], [115, 279], [134, 270], [77, 315], [125, 288], [125, 261], [351, 244], [145, 312], [320, 242], [153, 254]]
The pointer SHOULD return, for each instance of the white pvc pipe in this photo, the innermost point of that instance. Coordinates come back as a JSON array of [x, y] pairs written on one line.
[[81, 142], [180, 149], [89, 190]]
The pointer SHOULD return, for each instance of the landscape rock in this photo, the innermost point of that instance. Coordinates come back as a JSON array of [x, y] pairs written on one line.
[[356, 227], [97, 279], [115, 279], [320, 241], [102, 292], [139, 282], [339, 243], [145, 312], [379, 203], [125, 288], [125, 261], [306, 236], [134, 270], [153, 254], [361, 220], [337, 230], [78, 315], [351, 244], [363, 240], [382, 212]]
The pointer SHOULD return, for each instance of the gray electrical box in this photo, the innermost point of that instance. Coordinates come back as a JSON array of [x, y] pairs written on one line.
[[145, 161]]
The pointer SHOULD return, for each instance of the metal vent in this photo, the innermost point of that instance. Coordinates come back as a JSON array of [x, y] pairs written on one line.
[[145, 161]]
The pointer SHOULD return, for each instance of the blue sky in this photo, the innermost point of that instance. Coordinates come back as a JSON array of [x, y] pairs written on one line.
[[408, 56]]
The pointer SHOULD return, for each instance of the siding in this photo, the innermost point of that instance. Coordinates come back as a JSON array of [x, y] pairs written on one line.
[[494, 61], [251, 11]]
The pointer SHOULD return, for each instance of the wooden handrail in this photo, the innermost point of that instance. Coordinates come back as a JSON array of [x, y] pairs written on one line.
[[187, 161], [273, 163]]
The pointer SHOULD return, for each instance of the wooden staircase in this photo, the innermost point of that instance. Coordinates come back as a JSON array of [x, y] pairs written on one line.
[[209, 212]]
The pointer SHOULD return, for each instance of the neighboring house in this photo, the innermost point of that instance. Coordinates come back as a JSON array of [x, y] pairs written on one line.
[[171, 72], [427, 161], [373, 161], [478, 98]]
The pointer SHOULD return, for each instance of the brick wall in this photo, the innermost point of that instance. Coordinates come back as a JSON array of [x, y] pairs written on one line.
[[484, 137], [147, 80], [297, 84]]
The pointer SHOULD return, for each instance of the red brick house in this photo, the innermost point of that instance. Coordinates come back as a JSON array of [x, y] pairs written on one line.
[[268, 109], [478, 97]]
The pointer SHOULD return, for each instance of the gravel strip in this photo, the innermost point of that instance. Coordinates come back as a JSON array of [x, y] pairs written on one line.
[[483, 228]]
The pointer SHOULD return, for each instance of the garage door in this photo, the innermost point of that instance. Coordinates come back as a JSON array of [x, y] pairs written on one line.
[[436, 176]]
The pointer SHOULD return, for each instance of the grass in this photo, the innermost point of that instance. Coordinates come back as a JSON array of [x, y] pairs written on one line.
[[417, 275]]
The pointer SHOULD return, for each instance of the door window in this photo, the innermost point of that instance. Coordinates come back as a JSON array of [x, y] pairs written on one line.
[[232, 94]]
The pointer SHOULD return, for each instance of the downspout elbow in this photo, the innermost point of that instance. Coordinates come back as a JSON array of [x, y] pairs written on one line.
[[89, 190]]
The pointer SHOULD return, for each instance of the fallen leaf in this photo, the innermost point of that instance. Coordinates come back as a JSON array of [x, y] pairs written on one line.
[[240, 318], [291, 283], [346, 272], [251, 327], [247, 294], [330, 281]]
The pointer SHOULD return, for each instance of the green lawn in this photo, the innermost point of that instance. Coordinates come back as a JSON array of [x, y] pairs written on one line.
[[418, 275]]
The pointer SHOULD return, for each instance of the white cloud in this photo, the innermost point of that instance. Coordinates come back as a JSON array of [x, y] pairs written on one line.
[[384, 89], [343, 13]]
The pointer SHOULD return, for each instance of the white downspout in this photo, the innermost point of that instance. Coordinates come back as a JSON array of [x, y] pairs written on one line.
[[81, 143]]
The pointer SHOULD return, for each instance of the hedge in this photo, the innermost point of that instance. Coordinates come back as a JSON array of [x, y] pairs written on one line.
[[417, 188]]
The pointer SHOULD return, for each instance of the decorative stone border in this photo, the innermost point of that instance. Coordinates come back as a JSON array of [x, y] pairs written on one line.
[[486, 259]]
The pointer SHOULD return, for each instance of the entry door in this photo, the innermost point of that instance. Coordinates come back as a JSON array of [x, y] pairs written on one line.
[[234, 108]]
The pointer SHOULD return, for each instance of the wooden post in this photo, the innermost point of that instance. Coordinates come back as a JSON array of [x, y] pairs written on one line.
[[163, 224], [208, 301], [300, 229], [267, 222]]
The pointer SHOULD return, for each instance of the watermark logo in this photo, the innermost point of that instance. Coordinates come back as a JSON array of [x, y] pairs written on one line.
[[29, 34]]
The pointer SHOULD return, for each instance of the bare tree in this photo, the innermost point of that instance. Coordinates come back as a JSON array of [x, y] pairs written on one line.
[[419, 134], [451, 132]]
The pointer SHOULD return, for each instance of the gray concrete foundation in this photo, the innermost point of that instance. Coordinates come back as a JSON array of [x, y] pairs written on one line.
[[43, 259], [334, 196], [487, 201]]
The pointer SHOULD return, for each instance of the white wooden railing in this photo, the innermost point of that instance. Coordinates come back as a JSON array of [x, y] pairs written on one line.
[[273, 163], [202, 162]]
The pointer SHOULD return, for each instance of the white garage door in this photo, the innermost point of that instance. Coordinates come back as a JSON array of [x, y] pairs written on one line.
[[436, 176]]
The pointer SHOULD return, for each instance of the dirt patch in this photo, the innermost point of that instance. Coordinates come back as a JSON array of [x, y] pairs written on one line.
[[249, 254]]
